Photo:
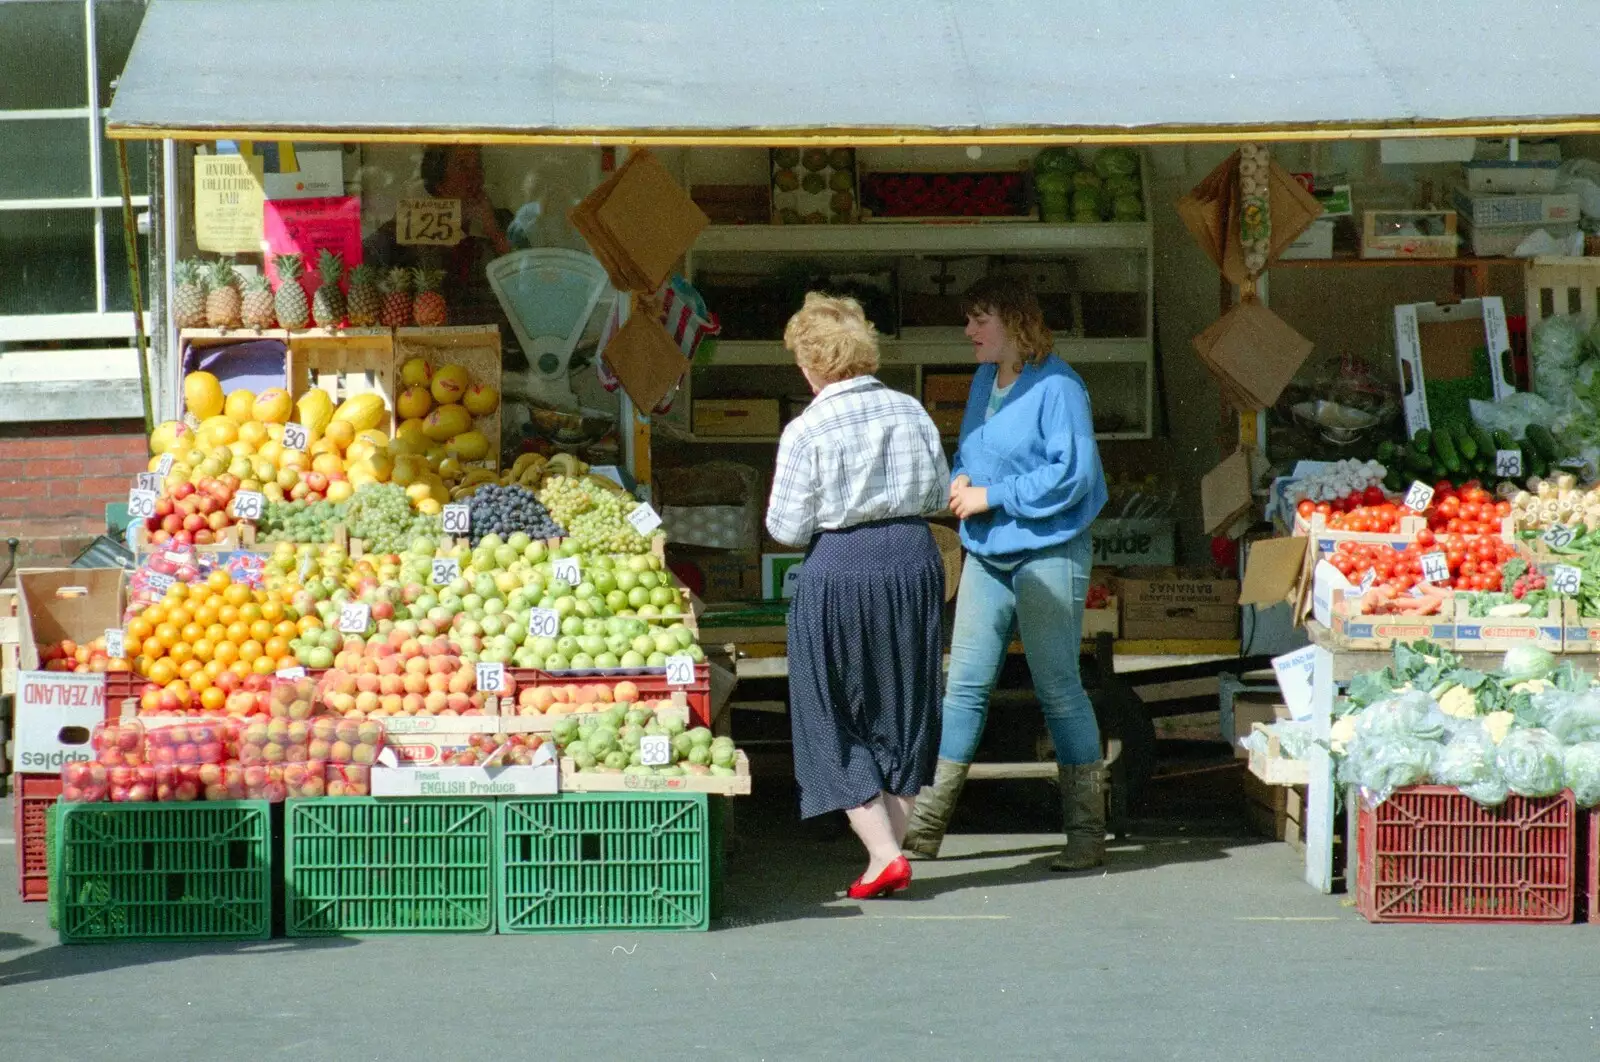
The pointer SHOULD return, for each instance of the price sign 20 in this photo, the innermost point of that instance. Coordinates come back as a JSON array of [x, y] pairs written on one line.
[[680, 670]]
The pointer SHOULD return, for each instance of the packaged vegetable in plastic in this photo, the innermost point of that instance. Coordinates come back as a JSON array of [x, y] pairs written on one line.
[[1380, 765], [346, 740], [1556, 348], [1571, 718], [305, 779], [1468, 763], [1409, 714], [1581, 771], [199, 742], [178, 783], [292, 698], [1531, 762], [348, 779]]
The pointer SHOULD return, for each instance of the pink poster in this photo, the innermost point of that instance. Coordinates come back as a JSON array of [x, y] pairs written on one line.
[[306, 227]]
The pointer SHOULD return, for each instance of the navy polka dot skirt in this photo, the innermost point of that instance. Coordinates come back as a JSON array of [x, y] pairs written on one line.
[[865, 647]]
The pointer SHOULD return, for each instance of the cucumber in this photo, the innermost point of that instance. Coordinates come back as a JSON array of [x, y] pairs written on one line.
[[1394, 481], [1483, 439], [1385, 452], [1417, 462], [1540, 439], [1465, 443], [1445, 447], [1422, 441], [1504, 441]]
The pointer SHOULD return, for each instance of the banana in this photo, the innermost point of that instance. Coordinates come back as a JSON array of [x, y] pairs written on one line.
[[521, 463], [567, 465]]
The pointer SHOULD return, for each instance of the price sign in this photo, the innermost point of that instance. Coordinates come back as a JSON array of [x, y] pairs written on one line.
[[567, 568], [680, 670], [1435, 568], [158, 582], [655, 750], [431, 222], [306, 564], [491, 677], [164, 466], [1565, 579], [354, 617], [1508, 464], [1295, 671], [644, 519], [1558, 536], [290, 673], [116, 643], [141, 504], [445, 569], [249, 504], [457, 519], [1419, 496], [544, 623], [295, 436], [147, 481], [1368, 579]]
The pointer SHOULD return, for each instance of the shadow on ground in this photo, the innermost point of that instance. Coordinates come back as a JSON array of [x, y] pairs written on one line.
[[61, 961]]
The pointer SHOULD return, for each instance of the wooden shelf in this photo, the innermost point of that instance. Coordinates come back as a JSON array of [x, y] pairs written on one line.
[[935, 346], [1378, 263], [923, 238]]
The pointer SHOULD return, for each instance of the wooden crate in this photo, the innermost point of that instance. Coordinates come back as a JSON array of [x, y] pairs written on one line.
[[1274, 768], [355, 361], [475, 348], [1275, 811], [574, 781], [1556, 286], [208, 340]]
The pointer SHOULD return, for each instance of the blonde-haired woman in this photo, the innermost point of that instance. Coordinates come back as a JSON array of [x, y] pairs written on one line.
[[1028, 485], [855, 474]]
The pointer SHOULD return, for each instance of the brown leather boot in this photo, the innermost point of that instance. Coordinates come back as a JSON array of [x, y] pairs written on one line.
[[1083, 813], [935, 804]]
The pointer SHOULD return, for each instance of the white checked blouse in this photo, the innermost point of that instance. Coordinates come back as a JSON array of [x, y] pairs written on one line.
[[860, 452]]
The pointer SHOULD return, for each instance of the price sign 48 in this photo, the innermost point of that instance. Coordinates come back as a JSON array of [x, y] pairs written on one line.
[[1565, 579]]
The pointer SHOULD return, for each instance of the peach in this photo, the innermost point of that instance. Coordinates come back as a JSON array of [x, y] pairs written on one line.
[[436, 702], [625, 691], [368, 666], [410, 648], [437, 647], [380, 650], [463, 682], [459, 703], [367, 683], [443, 665], [343, 682], [389, 665], [439, 683], [417, 665], [340, 752], [393, 703], [414, 684], [391, 684], [319, 749], [366, 702], [413, 703]]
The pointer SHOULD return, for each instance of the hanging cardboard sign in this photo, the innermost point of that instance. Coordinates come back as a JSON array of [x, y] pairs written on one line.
[[228, 203], [307, 226], [428, 222]]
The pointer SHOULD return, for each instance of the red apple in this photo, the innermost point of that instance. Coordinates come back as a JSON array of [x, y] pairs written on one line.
[[182, 490], [172, 523]]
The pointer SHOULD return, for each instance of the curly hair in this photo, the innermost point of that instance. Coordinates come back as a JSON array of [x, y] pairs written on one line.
[[1011, 299], [832, 339]]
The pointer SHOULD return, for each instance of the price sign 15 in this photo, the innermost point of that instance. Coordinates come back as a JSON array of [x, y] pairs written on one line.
[[644, 519], [457, 519], [1435, 567], [544, 623], [445, 569], [491, 677], [1508, 464], [116, 642], [680, 670], [249, 504], [567, 568], [295, 436], [354, 617], [1418, 496], [147, 481], [434, 222], [1565, 579], [1558, 536], [655, 750], [141, 504]]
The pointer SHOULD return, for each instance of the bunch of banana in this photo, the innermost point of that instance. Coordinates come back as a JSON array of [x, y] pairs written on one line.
[[471, 481], [528, 471], [567, 465]]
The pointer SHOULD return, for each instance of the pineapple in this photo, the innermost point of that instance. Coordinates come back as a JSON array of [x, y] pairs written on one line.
[[364, 302], [257, 312], [189, 296], [327, 305], [428, 308], [290, 300], [222, 301], [396, 309]]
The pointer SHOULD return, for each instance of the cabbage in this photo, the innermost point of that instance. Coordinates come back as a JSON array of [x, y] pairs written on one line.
[[1526, 662], [1057, 160], [1116, 161], [1581, 772], [1468, 763], [1556, 348], [1531, 762]]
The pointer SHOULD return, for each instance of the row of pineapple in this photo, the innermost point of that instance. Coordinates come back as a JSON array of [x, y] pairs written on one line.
[[211, 295]]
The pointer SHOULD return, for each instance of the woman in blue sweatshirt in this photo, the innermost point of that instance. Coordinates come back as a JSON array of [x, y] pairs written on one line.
[[1027, 485]]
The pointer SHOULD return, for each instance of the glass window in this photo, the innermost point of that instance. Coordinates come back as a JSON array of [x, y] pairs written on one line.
[[47, 261], [138, 166], [118, 295], [45, 159], [116, 23], [44, 63]]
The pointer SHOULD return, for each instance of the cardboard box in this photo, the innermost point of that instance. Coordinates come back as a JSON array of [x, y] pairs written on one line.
[[1351, 630], [540, 780], [1105, 620], [1250, 709], [1252, 353], [1225, 493], [638, 223], [1275, 811], [725, 575], [1495, 634], [1488, 210], [779, 572], [1409, 234], [56, 715], [1174, 604], [1579, 634], [1277, 571], [1128, 543], [1502, 241], [1315, 242], [1437, 340], [56, 603], [1503, 176], [734, 417]]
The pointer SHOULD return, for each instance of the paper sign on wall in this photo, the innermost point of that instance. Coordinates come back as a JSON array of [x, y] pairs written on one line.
[[1294, 671], [308, 226], [433, 222], [228, 203]]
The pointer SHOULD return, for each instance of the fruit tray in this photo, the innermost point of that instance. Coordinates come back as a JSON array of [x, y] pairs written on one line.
[[362, 865], [651, 687], [600, 861]]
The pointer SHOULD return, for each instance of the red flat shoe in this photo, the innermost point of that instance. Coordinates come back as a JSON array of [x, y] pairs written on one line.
[[895, 876]]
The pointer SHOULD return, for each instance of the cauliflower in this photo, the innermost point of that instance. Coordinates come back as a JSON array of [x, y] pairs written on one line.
[[1460, 702], [1344, 728], [1532, 686], [1498, 723]]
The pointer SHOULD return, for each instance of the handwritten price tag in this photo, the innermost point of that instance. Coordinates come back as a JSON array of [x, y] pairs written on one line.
[[1435, 567], [1558, 536], [655, 750], [491, 677], [159, 583], [445, 570], [147, 481], [354, 617], [164, 466], [306, 564], [680, 670], [544, 622], [644, 519], [567, 568], [249, 505], [457, 519], [141, 504], [1368, 579], [116, 642], [1565, 579], [1508, 464], [1419, 496], [430, 222], [290, 673], [295, 436]]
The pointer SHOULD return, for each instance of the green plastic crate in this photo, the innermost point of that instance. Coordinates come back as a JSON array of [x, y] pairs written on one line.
[[590, 861], [164, 871], [362, 865], [54, 906]]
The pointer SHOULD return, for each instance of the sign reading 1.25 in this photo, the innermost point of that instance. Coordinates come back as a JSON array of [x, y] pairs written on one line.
[[435, 222]]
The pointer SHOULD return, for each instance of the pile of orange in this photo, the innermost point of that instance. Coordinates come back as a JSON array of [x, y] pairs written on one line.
[[200, 630]]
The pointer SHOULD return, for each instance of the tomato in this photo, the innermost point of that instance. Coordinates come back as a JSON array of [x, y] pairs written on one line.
[[1324, 508], [1372, 496], [1502, 509], [1425, 538], [1455, 557], [1449, 507]]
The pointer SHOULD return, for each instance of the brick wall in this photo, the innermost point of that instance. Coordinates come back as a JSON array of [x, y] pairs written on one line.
[[56, 480]]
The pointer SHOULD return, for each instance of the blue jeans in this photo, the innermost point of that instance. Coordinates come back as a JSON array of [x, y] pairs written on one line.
[[1041, 597]]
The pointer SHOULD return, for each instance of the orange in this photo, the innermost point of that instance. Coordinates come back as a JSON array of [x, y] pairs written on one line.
[[272, 610], [163, 671], [238, 632], [216, 633], [218, 581], [286, 661], [264, 665], [286, 630], [177, 591], [228, 614], [168, 634], [212, 699], [275, 647], [193, 632], [212, 669], [180, 616], [141, 664], [226, 653], [240, 668], [236, 594], [308, 623], [198, 679], [250, 612], [199, 592], [249, 651], [261, 630], [138, 630], [180, 688], [204, 648], [152, 648], [155, 614], [189, 667], [181, 653], [206, 614]]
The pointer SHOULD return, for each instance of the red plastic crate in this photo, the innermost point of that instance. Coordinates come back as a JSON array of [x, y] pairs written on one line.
[[121, 685], [35, 793], [1591, 859], [651, 687], [1428, 854]]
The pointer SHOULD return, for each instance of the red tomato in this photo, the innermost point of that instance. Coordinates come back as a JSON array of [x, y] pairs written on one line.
[[1425, 537], [1372, 496], [1306, 507]]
